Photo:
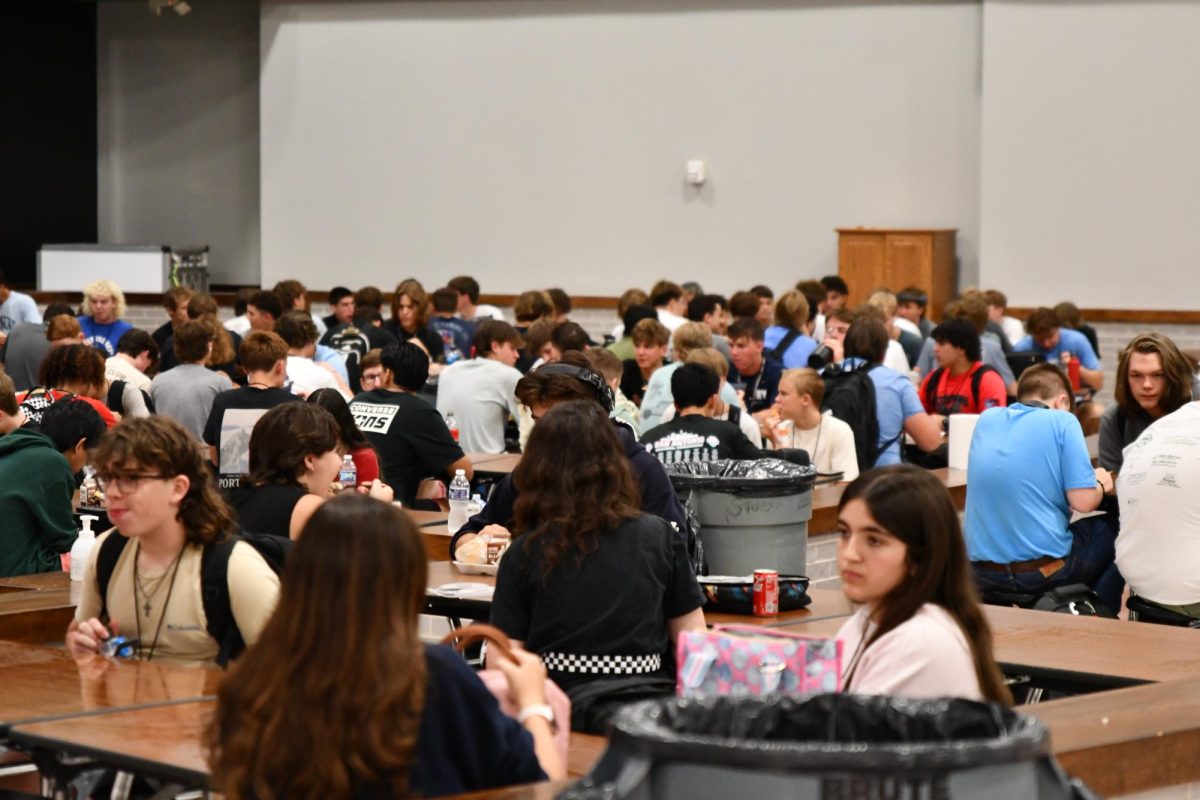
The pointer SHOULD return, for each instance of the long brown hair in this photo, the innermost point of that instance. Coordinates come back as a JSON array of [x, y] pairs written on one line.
[[284, 436], [329, 699], [1177, 373], [914, 506], [420, 300], [160, 444], [574, 482]]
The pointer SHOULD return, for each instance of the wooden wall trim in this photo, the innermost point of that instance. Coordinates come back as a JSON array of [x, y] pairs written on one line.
[[1151, 316]]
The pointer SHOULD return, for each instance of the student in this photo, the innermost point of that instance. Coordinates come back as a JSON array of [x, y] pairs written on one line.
[[15, 308], [836, 293], [693, 435], [188, 391], [234, 413], [997, 303], [1154, 379], [667, 299], [11, 416], [911, 302], [756, 375], [766, 304], [293, 296], [594, 586], [73, 369], [713, 311], [456, 334], [624, 347], [240, 324], [788, 340], [686, 339], [174, 302], [27, 345], [609, 367], [263, 310], [1070, 317], [479, 391], [37, 483], [1047, 336], [409, 435], [410, 312], [128, 383], [897, 406], [628, 299], [920, 631], [103, 307], [828, 441], [354, 442], [469, 307], [226, 343], [973, 309], [371, 371], [406, 719], [899, 343], [729, 407], [160, 496], [341, 301], [561, 302], [304, 374], [743, 305], [650, 342], [295, 456], [962, 384]]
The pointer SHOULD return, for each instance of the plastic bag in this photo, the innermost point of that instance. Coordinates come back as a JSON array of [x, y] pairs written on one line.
[[764, 477]]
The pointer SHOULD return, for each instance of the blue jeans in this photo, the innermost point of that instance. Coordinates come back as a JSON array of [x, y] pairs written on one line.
[[1091, 562]]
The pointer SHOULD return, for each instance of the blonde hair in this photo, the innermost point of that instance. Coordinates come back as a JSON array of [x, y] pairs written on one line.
[[791, 310], [104, 288], [688, 337], [885, 301], [710, 357], [806, 381]]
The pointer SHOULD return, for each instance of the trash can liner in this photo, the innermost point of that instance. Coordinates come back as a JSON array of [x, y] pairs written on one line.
[[764, 477], [830, 732]]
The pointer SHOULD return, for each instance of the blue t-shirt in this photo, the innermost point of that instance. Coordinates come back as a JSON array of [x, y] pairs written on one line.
[[798, 351], [658, 397], [16, 309], [1021, 464], [465, 743], [103, 337], [1069, 341], [895, 401], [457, 337]]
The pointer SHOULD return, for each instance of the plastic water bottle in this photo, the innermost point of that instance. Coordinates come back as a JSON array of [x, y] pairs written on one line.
[[460, 500], [452, 424], [82, 547], [348, 473]]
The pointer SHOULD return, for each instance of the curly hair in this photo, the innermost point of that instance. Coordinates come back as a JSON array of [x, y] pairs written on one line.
[[574, 483], [74, 365], [336, 682], [104, 288], [282, 438], [160, 444], [1177, 372]]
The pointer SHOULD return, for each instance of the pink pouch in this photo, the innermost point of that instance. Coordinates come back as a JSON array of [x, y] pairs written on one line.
[[497, 683], [751, 660]]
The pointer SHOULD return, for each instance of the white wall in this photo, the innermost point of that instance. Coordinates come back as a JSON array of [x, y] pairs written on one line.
[[1091, 153], [178, 131], [543, 143]]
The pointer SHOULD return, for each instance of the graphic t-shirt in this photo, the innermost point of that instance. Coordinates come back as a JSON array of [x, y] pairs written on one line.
[[409, 436], [230, 424], [457, 337], [104, 337], [694, 437]]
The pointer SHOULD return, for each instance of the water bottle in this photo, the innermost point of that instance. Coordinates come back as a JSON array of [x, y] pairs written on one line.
[[89, 490], [460, 499], [82, 547], [348, 473], [452, 424]]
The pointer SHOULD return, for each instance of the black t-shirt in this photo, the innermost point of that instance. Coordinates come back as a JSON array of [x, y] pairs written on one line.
[[695, 437], [430, 338], [230, 423], [409, 436], [613, 602], [633, 385], [354, 342], [266, 509], [760, 387]]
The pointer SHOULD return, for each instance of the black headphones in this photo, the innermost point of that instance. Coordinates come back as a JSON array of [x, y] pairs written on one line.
[[604, 392]]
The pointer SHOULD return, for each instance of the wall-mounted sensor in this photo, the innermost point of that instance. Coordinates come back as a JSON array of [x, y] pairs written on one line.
[[697, 172]]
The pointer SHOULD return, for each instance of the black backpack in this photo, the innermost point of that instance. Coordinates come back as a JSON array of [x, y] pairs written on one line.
[[935, 377], [1077, 599], [850, 395], [214, 582], [776, 352]]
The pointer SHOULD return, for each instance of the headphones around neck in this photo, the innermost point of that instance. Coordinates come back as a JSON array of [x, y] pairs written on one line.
[[604, 392]]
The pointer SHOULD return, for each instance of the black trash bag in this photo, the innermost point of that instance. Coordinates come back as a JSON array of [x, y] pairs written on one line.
[[829, 746], [763, 477]]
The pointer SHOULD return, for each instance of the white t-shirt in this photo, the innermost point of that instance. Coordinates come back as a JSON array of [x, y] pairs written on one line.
[[830, 445], [1014, 329], [239, 325], [926, 656], [484, 311], [907, 325], [479, 392], [669, 320], [306, 377], [118, 369], [895, 358], [1158, 549]]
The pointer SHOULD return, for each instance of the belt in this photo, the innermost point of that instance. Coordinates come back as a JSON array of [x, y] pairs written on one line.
[[1018, 567], [602, 665]]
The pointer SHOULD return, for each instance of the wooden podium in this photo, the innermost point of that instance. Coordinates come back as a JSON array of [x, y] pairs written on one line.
[[869, 258]]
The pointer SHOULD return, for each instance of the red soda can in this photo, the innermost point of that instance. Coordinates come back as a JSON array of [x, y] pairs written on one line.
[[766, 592]]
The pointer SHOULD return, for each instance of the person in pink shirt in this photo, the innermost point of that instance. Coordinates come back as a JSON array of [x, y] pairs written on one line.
[[920, 631]]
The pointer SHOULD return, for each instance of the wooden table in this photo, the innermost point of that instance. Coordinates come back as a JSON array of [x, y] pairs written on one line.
[[826, 497], [434, 532], [37, 608], [496, 465]]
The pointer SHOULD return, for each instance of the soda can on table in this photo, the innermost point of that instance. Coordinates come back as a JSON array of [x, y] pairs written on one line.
[[766, 592]]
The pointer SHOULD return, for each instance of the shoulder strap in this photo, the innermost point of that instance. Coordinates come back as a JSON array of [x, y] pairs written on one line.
[[214, 591], [735, 414], [977, 379], [785, 343], [931, 386], [106, 563]]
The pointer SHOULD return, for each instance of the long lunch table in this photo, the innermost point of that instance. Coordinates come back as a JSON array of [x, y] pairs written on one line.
[[37, 608]]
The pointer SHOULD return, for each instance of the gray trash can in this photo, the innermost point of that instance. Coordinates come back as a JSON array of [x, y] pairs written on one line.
[[826, 747], [752, 514]]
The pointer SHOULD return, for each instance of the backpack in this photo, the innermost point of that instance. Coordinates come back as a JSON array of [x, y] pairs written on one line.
[[776, 352], [935, 377], [214, 583], [850, 396], [1077, 599], [116, 398]]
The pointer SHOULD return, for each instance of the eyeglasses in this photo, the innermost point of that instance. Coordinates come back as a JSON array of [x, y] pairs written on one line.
[[125, 484]]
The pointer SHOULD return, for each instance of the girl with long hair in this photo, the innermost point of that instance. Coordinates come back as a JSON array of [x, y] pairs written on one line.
[[1153, 379], [354, 441], [345, 696], [160, 494], [921, 631], [597, 588], [295, 456], [410, 313]]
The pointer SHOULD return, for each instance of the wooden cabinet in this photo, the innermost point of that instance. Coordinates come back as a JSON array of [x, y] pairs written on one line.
[[869, 258]]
